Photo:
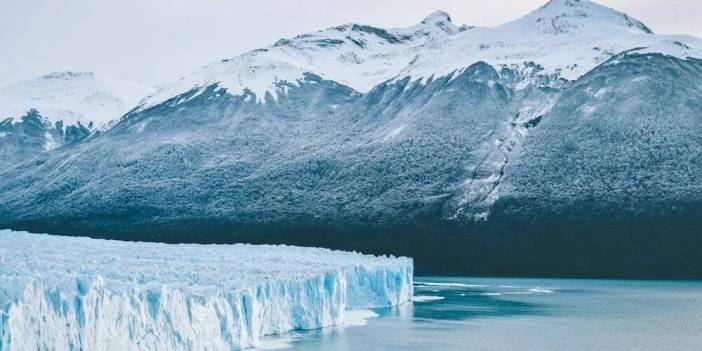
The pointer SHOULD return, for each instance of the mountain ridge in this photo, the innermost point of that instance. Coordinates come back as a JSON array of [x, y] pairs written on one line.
[[362, 57]]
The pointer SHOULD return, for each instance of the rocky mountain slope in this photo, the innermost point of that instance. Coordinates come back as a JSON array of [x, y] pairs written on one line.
[[566, 141]]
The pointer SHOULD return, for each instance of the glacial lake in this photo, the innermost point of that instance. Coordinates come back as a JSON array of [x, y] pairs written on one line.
[[524, 314]]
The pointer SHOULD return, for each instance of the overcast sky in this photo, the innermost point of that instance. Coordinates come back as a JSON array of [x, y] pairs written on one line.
[[153, 41]]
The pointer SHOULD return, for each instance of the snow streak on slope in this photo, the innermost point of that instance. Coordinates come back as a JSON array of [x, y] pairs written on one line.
[[71, 97], [483, 187], [79, 293]]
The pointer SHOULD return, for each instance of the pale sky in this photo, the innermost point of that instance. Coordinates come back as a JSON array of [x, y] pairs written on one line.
[[155, 41]]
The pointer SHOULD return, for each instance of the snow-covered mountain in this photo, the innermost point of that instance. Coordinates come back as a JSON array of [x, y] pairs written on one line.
[[388, 139], [72, 98], [566, 38], [358, 56], [44, 113]]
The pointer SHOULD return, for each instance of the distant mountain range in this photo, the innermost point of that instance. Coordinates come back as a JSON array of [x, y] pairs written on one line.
[[567, 142], [44, 113]]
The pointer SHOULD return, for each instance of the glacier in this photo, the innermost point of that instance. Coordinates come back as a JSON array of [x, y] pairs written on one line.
[[69, 293]]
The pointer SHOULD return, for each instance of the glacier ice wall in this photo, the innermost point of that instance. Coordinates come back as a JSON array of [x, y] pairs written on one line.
[[64, 293]]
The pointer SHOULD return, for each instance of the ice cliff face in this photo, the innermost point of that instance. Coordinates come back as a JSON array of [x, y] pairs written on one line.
[[62, 293], [566, 114]]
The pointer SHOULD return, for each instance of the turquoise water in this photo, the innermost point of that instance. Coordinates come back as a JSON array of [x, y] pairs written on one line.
[[528, 314]]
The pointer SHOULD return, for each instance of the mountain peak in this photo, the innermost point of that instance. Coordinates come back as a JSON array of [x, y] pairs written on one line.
[[569, 3], [569, 16], [442, 21], [437, 17], [68, 75]]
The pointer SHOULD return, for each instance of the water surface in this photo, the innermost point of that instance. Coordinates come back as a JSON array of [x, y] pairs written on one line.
[[527, 314]]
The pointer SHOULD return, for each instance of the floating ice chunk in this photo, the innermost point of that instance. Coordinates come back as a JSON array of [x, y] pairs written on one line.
[[80, 293], [358, 317], [426, 298], [449, 285], [540, 290]]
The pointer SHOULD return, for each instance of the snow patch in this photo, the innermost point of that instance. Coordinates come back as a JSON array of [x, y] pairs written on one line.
[[394, 133], [49, 141]]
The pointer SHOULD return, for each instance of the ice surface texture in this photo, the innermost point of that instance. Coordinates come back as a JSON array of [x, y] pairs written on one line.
[[77, 293]]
